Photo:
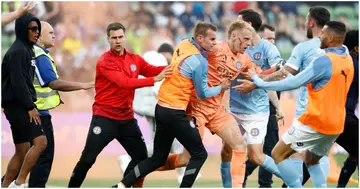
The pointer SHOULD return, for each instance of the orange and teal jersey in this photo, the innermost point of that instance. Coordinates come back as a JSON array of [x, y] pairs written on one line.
[[224, 65], [328, 80], [190, 69]]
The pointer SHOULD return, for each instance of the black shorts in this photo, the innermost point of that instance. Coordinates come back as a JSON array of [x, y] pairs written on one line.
[[349, 139], [21, 128]]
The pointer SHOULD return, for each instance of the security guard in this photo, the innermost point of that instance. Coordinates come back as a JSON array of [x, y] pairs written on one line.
[[47, 84]]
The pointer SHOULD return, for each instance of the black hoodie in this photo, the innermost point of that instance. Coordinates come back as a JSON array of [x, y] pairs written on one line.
[[18, 67]]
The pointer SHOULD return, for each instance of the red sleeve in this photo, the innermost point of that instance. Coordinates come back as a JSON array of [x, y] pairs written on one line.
[[114, 74], [149, 70]]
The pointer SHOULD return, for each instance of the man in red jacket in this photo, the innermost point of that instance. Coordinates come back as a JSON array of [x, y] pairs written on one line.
[[117, 74]]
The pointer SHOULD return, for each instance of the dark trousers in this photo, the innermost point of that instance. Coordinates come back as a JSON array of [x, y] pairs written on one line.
[[102, 131], [171, 124], [40, 172], [271, 138]]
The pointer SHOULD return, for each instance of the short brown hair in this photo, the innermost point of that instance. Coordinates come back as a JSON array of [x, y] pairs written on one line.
[[239, 25], [201, 28], [114, 26], [267, 26]]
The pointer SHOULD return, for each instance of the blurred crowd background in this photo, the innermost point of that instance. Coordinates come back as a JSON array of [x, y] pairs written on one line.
[[80, 29]]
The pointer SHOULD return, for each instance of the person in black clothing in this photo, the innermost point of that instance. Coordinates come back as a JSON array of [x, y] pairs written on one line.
[[18, 97], [349, 139]]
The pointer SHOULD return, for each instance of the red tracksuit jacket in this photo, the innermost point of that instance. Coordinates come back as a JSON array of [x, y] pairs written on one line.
[[116, 81]]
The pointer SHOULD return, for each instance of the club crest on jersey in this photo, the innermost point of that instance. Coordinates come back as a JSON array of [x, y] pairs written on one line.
[[257, 56], [238, 65], [254, 132], [97, 130], [133, 67]]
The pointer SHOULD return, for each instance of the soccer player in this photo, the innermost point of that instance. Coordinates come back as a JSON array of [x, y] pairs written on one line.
[[252, 110], [18, 97], [300, 58], [267, 32], [225, 63], [349, 139], [313, 133], [190, 73], [117, 74]]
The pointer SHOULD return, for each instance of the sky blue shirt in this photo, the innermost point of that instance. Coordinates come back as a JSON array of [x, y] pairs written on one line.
[[318, 73], [265, 55], [45, 73], [195, 67], [302, 55]]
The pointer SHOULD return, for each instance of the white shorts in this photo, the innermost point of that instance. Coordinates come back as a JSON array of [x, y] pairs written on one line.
[[302, 137], [253, 126]]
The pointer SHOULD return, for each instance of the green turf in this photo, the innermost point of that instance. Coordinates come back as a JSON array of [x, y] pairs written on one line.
[[202, 183], [173, 184]]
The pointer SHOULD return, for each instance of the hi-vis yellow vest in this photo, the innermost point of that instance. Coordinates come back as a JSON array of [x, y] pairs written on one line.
[[47, 98]]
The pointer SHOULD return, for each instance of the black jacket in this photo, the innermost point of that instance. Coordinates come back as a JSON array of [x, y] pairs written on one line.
[[18, 67]]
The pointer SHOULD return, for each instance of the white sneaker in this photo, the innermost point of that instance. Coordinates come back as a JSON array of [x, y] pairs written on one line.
[[124, 161], [13, 185]]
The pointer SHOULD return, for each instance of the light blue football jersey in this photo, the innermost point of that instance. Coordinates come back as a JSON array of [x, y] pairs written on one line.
[[301, 56], [265, 55]]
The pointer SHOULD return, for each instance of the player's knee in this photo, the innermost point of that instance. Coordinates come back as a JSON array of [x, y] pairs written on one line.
[[226, 152], [255, 158], [277, 157], [40, 143], [201, 155]]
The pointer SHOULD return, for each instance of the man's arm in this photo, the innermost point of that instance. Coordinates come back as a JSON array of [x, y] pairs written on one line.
[[280, 74], [23, 9], [149, 70], [292, 65], [46, 76], [200, 79], [313, 72], [18, 83], [111, 72]]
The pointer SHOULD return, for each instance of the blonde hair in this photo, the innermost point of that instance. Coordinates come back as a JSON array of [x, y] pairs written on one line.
[[239, 25]]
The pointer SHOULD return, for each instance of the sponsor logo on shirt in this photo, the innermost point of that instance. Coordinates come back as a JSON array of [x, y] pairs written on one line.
[[133, 67], [257, 56]]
